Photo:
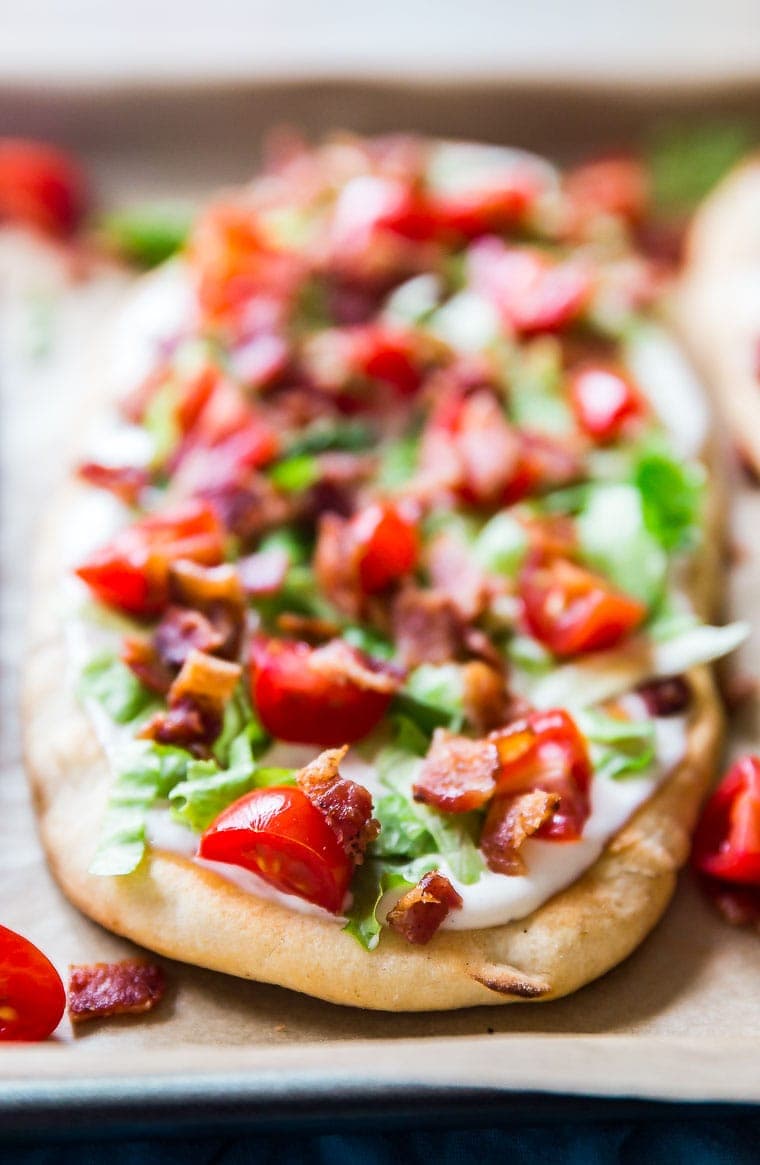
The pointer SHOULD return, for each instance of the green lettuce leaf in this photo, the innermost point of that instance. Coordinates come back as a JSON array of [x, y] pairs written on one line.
[[296, 473], [619, 748], [432, 697], [403, 833], [328, 435], [398, 461], [501, 544], [671, 497], [148, 234], [108, 681], [616, 540], [145, 772], [371, 881]]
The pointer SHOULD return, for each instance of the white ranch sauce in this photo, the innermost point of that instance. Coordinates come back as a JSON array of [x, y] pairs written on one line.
[[158, 311]]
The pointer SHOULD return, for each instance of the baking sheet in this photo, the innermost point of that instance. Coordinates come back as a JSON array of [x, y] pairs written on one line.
[[679, 1020]]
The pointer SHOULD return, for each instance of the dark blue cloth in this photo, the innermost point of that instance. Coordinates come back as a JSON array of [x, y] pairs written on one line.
[[687, 1140]]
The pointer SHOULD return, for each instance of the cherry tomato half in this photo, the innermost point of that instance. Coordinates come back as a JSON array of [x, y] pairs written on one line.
[[131, 572], [727, 840], [40, 186], [32, 996], [547, 751], [330, 695], [279, 834], [604, 401], [571, 610], [388, 545]]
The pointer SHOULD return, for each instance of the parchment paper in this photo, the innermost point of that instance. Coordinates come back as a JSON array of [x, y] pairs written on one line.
[[694, 979]]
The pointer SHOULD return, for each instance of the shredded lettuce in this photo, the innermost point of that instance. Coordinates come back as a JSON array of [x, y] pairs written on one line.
[[329, 435], [615, 539], [148, 234], [160, 423], [403, 833], [529, 655], [371, 881], [414, 301], [295, 473], [432, 697], [536, 399], [501, 544], [208, 789], [619, 748], [369, 641], [398, 462], [671, 497], [108, 681], [145, 772]]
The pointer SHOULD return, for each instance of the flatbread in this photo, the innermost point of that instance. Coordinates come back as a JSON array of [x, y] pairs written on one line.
[[718, 305], [191, 914]]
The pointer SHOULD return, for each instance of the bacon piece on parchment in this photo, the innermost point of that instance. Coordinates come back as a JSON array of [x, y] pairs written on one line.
[[418, 914], [100, 990]]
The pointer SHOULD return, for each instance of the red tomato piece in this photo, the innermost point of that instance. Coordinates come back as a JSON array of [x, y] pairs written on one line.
[[615, 185], [499, 192], [388, 355], [131, 572], [533, 292], [40, 186], [547, 751], [331, 695], [605, 401], [388, 545], [727, 840], [571, 610], [32, 996], [369, 206], [279, 834]]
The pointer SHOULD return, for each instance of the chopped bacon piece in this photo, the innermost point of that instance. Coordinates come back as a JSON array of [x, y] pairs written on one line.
[[251, 508], [427, 627], [264, 572], [669, 696], [458, 774], [100, 990], [510, 821], [142, 659], [484, 696], [199, 586], [311, 628], [197, 699], [126, 482], [182, 630], [345, 804], [418, 914], [364, 555]]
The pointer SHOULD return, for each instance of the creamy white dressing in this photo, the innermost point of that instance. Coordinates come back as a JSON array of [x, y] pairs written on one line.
[[161, 308]]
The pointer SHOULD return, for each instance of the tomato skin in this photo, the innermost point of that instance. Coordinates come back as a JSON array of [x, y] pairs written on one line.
[[547, 751], [571, 610], [40, 186], [727, 840], [305, 705], [281, 836], [32, 996], [131, 572], [389, 546], [604, 401]]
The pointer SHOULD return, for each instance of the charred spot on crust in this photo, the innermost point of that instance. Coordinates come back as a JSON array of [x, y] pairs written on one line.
[[505, 980]]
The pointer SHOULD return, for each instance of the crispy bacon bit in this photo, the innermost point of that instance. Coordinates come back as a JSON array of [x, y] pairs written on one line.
[[206, 679], [193, 585], [182, 630], [126, 482], [196, 698], [427, 627], [336, 564], [418, 914], [338, 660], [509, 823], [310, 628], [263, 573], [455, 572], [100, 990], [458, 774], [666, 697], [345, 804], [248, 510], [142, 659], [485, 699]]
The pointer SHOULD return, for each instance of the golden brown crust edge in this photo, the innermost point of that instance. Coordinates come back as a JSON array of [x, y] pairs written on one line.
[[188, 913], [717, 306]]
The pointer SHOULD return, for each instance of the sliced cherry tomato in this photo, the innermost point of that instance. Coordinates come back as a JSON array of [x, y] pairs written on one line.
[[234, 263], [487, 188], [615, 185], [547, 751], [605, 401], [571, 610], [727, 840], [131, 572], [32, 996], [330, 695], [533, 292], [369, 206], [40, 186], [388, 545], [279, 834]]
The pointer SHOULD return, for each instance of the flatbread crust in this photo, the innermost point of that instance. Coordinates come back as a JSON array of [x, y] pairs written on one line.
[[189, 913], [718, 305]]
